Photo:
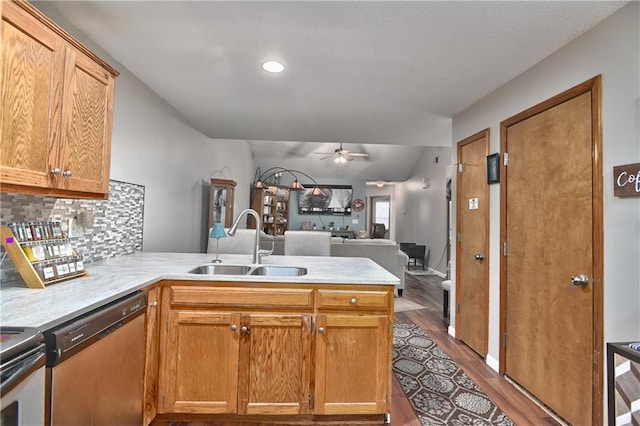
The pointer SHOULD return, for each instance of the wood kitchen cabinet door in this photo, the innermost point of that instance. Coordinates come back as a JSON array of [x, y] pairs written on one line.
[[56, 109], [31, 94], [199, 359], [152, 356], [87, 113], [352, 364], [275, 363]]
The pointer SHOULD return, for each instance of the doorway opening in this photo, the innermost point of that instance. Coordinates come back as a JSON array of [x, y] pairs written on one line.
[[380, 213]]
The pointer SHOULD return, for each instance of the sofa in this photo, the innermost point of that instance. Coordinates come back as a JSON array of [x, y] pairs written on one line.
[[384, 252]]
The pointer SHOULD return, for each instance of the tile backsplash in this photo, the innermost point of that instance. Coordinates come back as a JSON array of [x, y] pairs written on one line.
[[105, 228]]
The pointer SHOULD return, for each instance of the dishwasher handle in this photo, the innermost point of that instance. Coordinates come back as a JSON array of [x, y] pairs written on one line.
[[15, 370]]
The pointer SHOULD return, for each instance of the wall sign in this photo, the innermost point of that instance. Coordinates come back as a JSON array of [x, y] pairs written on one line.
[[626, 180]]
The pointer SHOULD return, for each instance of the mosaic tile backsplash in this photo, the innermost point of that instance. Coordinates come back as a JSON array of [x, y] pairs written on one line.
[[105, 228]]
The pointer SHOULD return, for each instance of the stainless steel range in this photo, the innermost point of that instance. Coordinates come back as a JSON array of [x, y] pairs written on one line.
[[22, 370]]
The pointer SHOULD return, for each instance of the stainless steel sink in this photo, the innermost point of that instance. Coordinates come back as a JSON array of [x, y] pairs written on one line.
[[279, 271], [218, 269], [262, 270]]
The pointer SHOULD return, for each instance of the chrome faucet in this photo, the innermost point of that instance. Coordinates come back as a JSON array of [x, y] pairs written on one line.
[[234, 228]]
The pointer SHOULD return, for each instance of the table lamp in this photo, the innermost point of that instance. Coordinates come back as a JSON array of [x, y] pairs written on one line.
[[217, 232]]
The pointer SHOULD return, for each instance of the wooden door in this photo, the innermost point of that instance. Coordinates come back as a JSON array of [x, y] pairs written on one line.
[[275, 364], [85, 156], [199, 359], [472, 250], [352, 365], [31, 83], [552, 225]]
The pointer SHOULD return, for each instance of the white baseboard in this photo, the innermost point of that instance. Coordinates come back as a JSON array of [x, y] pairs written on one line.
[[493, 363], [438, 273]]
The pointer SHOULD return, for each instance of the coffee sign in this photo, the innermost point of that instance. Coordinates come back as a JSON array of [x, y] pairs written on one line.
[[626, 180]]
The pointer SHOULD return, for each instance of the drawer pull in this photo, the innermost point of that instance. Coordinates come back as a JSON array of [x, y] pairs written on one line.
[[321, 330], [354, 301], [234, 327]]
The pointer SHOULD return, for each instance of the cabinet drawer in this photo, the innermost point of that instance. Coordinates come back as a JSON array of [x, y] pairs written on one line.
[[230, 297], [353, 300]]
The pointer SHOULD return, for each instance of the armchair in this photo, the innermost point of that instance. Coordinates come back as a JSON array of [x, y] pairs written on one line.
[[378, 230]]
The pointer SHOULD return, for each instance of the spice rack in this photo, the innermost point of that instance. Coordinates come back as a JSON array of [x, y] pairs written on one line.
[[41, 253]]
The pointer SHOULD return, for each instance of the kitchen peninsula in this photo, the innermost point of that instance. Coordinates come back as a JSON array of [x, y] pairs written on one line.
[[306, 349]]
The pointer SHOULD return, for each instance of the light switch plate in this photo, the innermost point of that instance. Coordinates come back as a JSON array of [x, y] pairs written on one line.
[[74, 229]]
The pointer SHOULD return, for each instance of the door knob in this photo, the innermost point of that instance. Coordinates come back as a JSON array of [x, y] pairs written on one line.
[[55, 171], [580, 280], [244, 329], [478, 256]]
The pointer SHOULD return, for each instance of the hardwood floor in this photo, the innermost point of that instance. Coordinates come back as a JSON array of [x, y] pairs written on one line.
[[427, 291]]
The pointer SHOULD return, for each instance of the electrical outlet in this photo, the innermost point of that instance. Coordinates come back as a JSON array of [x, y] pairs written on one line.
[[74, 229], [354, 221]]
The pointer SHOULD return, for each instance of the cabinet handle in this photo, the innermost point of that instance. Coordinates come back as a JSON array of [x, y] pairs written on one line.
[[244, 329], [321, 330], [67, 174], [154, 304], [234, 327], [354, 301], [55, 172]]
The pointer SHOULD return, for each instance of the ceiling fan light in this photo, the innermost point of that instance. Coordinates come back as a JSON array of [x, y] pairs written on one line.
[[340, 159]]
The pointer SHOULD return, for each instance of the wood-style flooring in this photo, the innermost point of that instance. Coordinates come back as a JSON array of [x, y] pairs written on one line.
[[426, 290]]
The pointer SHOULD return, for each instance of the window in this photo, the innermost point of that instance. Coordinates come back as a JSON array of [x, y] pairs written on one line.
[[380, 210]]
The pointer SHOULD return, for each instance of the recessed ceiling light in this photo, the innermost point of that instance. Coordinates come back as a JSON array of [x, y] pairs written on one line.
[[273, 66]]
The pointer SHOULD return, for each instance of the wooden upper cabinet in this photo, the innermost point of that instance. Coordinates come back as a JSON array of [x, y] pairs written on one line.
[[86, 116], [57, 109], [32, 76]]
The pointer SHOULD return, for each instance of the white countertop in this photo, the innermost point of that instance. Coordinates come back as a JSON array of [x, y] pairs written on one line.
[[111, 279]]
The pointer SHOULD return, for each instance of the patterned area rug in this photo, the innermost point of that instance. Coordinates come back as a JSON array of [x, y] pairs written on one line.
[[439, 391]]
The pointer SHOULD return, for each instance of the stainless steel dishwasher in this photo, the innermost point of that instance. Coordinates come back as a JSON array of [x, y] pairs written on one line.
[[95, 366]]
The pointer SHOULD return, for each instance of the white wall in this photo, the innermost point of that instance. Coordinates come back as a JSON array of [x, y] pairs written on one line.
[[421, 213], [613, 50], [152, 145]]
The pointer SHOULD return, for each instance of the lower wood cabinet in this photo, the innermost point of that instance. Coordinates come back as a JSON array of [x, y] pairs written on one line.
[[152, 338], [240, 351], [200, 362], [352, 364]]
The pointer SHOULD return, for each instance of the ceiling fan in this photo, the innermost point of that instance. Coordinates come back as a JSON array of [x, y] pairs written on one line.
[[341, 155]]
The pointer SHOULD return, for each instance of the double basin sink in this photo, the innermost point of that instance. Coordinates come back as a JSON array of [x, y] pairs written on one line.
[[261, 270]]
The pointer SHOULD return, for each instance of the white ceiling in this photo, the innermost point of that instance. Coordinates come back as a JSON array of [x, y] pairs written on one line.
[[371, 74]]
